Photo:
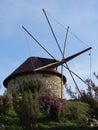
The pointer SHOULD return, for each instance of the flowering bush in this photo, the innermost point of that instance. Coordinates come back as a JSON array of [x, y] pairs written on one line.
[[8, 98], [52, 105], [7, 103]]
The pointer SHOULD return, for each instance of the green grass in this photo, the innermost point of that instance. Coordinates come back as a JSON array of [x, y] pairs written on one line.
[[11, 122]]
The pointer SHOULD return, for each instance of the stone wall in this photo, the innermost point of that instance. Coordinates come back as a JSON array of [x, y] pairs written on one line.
[[51, 81]]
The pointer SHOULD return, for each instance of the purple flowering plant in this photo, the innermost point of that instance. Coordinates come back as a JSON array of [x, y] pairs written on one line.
[[52, 105]]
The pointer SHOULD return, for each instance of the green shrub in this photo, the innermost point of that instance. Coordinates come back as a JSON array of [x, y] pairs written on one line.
[[13, 127], [26, 103], [41, 126], [77, 111]]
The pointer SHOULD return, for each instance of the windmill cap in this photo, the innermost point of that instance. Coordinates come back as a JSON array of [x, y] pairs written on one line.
[[29, 65]]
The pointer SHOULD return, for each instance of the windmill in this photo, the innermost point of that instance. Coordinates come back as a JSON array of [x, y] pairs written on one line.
[[63, 61]]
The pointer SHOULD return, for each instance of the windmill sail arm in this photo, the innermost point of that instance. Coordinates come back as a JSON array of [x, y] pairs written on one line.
[[57, 63], [77, 54], [52, 65], [68, 58], [48, 66]]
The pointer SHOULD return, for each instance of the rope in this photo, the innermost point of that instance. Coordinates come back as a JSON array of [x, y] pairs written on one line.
[[73, 34], [63, 26], [28, 46], [90, 54]]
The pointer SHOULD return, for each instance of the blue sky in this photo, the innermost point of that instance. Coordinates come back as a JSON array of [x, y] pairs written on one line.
[[16, 45]]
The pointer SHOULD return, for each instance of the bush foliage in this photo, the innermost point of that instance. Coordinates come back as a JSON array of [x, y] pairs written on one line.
[[52, 106], [36, 107]]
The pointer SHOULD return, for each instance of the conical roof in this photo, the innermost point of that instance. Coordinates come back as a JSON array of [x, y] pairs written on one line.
[[28, 67]]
